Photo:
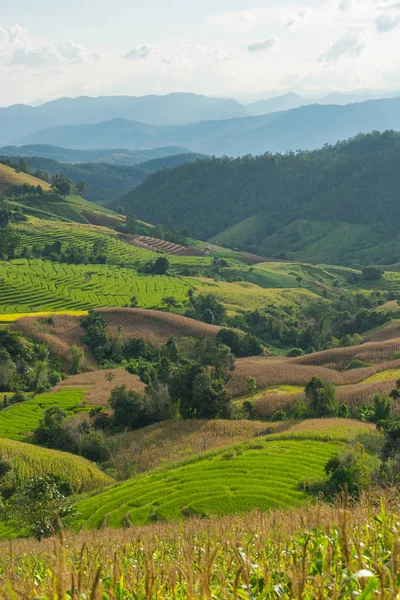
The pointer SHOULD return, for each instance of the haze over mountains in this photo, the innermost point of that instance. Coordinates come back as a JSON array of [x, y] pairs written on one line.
[[197, 123], [306, 127]]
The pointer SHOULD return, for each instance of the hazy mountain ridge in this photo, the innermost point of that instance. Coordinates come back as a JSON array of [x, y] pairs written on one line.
[[307, 127]]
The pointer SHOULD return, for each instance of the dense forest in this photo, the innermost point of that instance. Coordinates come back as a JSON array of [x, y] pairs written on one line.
[[354, 182], [104, 182]]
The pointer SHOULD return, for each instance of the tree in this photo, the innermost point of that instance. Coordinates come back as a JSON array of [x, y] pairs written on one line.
[[131, 410], [62, 184], [211, 399], [131, 224], [217, 356], [169, 301], [75, 356], [50, 431], [161, 265], [372, 273], [251, 386], [9, 242], [349, 469], [110, 376], [81, 188], [322, 397], [39, 507], [134, 302]]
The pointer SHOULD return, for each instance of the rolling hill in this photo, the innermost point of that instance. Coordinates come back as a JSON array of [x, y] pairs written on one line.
[[306, 127], [70, 155], [28, 461], [105, 181], [9, 178], [335, 205]]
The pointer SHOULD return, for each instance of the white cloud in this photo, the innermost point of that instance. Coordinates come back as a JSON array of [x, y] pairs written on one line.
[[17, 48], [139, 53], [262, 46], [348, 45], [389, 18]]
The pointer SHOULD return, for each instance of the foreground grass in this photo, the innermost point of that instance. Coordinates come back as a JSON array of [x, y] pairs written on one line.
[[257, 474], [308, 553]]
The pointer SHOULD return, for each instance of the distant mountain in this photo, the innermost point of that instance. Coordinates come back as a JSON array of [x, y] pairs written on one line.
[[277, 104], [174, 109], [336, 205], [307, 127], [113, 156]]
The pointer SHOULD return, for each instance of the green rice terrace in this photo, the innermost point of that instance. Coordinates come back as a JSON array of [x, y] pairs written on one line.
[[36, 285], [21, 419], [262, 474]]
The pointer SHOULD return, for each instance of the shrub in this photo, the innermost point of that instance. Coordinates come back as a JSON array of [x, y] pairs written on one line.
[[294, 352], [39, 507], [279, 415], [349, 469], [356, 364]]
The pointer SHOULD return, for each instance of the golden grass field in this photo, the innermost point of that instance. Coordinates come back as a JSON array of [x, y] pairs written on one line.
[[10, 178], [155, 327], [310, 552], [97, 388]]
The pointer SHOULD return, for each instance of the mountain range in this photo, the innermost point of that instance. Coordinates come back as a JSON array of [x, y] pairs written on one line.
[[307, 127]]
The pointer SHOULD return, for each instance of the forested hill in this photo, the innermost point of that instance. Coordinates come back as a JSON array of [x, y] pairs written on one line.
[[264, 203], [105, 182]]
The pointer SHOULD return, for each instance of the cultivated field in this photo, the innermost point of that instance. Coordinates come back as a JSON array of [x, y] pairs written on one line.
[[255, 555], [257, 474], [33, 461], [19, 420], [164, 443], [97, 388], [43, 286], [154, 244], [155, 327]]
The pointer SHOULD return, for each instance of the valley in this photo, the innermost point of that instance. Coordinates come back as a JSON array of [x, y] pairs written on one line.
[[202, 353]]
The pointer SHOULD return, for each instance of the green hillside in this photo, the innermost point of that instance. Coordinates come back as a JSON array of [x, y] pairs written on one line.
[[335, 205], [262, 474], [28, 461]]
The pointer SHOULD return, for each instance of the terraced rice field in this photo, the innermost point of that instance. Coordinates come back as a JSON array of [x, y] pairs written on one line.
[[17, 421], [151, 243], [43, 286], [40, 233], [258, 474]]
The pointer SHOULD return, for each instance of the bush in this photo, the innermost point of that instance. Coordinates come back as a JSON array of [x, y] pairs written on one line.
[[294, 352], [279, 415], [349, 469], [356, 364]]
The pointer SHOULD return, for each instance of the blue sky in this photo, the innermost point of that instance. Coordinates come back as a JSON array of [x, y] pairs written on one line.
[[246, 49]]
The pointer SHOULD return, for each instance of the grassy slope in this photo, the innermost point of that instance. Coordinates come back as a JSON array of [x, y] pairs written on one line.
[[312, 241], [10, 178], [261, 474], [32, 461]]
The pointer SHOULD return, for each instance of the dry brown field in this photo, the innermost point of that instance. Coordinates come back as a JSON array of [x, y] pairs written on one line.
[[155, 327], [97, 388]]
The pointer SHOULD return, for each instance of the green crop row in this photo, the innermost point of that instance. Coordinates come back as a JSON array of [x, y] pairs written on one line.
[[38, 286], [260, 475]]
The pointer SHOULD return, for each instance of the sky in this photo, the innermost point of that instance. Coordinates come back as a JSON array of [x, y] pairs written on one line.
[[246, 49]]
